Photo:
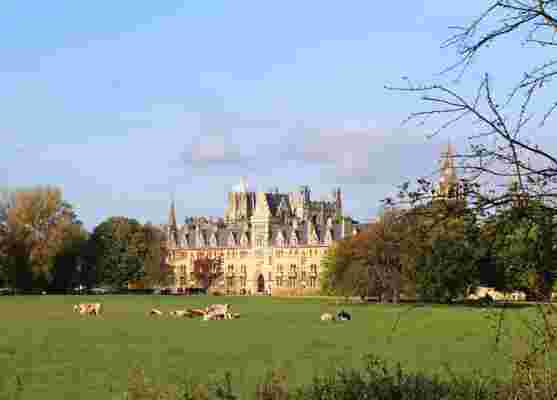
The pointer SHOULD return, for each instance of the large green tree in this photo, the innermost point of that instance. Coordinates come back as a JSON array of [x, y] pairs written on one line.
[[523, 240], [447, 266], [116, 252], [68, 260]]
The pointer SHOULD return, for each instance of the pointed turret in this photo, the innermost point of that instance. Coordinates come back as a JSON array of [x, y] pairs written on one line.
[[172, 226]]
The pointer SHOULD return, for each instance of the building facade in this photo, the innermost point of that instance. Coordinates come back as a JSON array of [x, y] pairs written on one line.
[[269, 242]]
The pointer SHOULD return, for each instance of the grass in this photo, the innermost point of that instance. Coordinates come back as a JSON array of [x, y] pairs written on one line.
[[49, 352]]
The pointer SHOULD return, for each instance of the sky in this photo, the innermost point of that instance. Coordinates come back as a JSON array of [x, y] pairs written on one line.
[[125, 105]]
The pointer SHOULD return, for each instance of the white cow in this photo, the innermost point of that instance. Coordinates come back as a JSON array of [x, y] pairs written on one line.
[[327, 317]]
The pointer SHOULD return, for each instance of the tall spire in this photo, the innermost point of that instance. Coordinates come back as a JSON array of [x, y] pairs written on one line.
[[172, 216], [448, 178], [448, 181], [172, 224]]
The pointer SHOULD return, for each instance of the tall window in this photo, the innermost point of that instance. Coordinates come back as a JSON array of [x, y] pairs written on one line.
[[292, 276]]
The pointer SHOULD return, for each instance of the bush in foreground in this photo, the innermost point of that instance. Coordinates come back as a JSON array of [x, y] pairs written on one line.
[[376, 381]]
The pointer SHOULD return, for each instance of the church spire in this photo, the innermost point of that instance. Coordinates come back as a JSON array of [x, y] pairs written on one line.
[[172, 224], [448, 180]]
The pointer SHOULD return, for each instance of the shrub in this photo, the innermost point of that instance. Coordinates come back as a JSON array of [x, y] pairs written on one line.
[[376, 381]]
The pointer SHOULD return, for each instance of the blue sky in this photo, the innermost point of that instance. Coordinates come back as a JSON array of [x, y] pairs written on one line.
[[123, 104]]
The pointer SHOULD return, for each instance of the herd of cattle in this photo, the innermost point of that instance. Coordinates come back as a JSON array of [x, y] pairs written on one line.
[[210, 313]]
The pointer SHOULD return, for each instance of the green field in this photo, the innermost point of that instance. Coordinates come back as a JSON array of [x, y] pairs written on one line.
[[59, 354]]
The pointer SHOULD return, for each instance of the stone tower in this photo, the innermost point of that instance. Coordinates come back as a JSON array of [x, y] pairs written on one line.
[[448, 181], [261, 221]]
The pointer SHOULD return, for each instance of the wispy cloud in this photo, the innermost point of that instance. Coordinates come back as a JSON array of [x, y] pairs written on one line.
[[353, 152]]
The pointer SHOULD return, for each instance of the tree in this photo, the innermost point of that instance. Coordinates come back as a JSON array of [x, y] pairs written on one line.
[[207, 271], [157, 271], [370, 263], [68, 260], [116, 252], [33, 225], [525, 252]]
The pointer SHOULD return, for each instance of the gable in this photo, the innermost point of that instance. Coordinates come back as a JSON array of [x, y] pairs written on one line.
[[231, 240], [213, 240]]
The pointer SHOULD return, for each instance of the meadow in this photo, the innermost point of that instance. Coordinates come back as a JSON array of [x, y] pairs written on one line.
[[49, 352]]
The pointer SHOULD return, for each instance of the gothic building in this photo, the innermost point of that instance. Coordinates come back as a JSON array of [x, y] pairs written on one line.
[[268, 241]]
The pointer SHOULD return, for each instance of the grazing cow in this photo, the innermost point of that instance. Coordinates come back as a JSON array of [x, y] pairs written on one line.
[[327, 317], [94, 308], [154, 311], [343, 316], [88, 308], [81, 308]]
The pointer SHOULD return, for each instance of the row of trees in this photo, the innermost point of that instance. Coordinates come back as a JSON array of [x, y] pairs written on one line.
[[442, 251], [44, 246]]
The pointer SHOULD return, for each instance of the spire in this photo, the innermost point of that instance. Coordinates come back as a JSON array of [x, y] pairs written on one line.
[[172, 225], [172, 216], [448, 178]]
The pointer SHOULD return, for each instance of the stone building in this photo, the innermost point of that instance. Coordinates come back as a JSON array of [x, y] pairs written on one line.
[[268, 241]]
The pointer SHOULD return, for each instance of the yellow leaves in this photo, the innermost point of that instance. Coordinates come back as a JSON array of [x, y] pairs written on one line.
[[39, 218]]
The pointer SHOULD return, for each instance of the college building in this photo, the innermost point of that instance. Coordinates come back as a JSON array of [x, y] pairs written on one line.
[[269, 242]]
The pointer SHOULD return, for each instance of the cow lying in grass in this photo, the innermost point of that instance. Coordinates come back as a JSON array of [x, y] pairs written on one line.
[[327, 317], [341, 316], [88, 308], [211, 312], [155, 312]]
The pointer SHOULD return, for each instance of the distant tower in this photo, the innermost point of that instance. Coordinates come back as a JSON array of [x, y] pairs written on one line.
[[448, 181], [172, 226]]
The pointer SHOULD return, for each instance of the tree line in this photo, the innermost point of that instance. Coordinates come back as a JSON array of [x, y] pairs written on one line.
[[442, 251], [44, 246]]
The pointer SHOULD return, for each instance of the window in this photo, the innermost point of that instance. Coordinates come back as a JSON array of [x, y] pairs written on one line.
[[230, 269], [182, 280], [313, 282]]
